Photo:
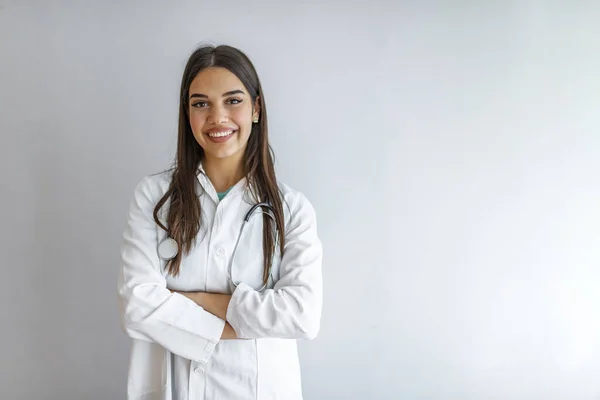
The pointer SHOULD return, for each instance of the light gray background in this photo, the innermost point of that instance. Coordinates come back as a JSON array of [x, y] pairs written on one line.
[[451, 149]]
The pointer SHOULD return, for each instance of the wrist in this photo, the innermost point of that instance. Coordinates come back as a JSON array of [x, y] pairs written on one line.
[[200, 298]]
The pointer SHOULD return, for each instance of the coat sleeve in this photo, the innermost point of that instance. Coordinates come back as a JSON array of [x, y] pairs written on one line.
[[149, 311], [292, 309]]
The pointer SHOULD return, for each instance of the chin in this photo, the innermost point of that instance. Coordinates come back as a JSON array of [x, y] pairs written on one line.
[[224, 153]]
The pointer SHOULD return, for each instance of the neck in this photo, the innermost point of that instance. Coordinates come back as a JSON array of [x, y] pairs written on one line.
[[223, 172]]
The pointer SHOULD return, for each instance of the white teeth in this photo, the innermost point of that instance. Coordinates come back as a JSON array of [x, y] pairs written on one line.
[[220, 134]]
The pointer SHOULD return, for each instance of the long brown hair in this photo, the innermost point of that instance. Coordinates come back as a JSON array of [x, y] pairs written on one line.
[[184, 215]]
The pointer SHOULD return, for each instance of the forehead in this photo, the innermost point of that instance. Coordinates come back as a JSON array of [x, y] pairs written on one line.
[[215, 81]]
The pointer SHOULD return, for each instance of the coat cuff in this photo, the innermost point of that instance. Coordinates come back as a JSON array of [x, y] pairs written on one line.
[[189, 323], [233, 315]]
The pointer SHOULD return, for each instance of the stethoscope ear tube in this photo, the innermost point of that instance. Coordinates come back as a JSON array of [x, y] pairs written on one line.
[[254, 207], [267, 209]]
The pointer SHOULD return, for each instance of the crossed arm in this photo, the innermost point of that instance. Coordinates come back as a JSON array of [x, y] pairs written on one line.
[[191, 329], [216, 304]]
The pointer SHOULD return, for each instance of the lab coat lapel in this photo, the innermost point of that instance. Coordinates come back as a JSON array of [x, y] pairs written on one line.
[[207, 187]]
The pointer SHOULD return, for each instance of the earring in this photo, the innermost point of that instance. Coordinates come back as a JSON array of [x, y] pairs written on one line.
[[255, 120]]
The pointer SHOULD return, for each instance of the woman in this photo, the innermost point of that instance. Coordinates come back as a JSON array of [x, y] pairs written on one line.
[[201, 326]]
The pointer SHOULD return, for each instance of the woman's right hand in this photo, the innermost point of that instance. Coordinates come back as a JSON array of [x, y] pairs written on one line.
[[228, 332]]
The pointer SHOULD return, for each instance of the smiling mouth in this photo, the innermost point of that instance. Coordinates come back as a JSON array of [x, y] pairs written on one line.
[[220, 134]]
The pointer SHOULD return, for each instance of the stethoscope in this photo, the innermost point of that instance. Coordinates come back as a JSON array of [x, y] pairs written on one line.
[[168, 248]]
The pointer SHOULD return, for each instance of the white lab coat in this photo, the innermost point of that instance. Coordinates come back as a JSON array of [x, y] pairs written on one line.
[[176, 349]]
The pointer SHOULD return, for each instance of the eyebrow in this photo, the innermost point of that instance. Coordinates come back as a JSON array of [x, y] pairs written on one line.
[[203, 96]]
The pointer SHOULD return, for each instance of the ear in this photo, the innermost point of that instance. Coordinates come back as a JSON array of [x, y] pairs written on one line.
[[256, 109]]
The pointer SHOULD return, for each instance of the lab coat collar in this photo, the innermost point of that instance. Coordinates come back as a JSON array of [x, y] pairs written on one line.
[[241, 187]]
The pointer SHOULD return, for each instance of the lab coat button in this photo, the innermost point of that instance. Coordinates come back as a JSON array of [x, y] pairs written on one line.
[[220, 251], [198, 370]]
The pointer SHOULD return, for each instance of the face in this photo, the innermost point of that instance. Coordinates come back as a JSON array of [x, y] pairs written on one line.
[[221, 113]]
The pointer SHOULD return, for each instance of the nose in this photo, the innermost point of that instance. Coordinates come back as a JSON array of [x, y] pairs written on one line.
[[218, 115]]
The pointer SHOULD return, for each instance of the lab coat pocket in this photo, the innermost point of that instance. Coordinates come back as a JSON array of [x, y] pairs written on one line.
[[147, 370], [279, 369]]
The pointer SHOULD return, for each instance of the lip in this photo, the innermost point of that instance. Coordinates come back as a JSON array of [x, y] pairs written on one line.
[[220, 129], [220, 139]]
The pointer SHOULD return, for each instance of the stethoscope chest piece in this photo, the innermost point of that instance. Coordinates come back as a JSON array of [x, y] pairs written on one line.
[[168, 249]]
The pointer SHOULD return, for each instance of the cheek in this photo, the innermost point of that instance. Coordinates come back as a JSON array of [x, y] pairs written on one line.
[[243, 119], [196, 126], [196, 121]]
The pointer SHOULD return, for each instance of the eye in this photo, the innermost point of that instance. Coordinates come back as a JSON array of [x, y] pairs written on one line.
[[234, 101], [200, 104]]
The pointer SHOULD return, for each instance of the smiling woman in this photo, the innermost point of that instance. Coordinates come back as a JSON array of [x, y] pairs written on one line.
[[196, 334], [218, 116]]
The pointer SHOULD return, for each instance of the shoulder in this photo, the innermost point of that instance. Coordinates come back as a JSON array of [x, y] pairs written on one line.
[[296, 205], [295, 199], [152, 187]]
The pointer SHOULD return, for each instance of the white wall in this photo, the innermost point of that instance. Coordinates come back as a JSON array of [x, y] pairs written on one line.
[[451, 149]]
